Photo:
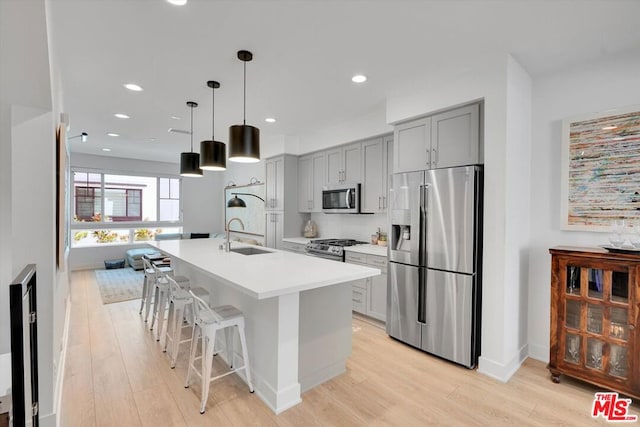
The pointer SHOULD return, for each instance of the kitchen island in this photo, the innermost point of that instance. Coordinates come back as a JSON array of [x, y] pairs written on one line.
[[297, 310]]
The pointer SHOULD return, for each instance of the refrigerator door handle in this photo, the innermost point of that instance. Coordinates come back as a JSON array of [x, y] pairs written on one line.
[[422, 295], [422, 245]]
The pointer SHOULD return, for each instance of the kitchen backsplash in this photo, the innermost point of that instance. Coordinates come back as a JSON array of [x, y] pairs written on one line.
[[347, 226]]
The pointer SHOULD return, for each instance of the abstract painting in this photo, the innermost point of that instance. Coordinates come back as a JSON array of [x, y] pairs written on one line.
[[601, 169]]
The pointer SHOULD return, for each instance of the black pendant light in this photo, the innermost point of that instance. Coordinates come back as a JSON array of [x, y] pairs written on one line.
[[190, 162], [244, 140], [236, 203], [213, 154]]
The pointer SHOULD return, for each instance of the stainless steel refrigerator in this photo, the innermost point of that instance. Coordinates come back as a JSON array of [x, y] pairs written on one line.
[[435, 261]]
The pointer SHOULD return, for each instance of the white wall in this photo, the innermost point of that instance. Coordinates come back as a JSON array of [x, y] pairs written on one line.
[[517, 188], [458, 83], [27, 171], [345, 226], [613, 82]]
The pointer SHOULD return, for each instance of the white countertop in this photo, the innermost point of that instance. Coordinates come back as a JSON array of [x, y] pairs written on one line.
[[264, 275], [368, 249], [298, 240]]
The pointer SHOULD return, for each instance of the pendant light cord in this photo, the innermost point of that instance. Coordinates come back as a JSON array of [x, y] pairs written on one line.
[[213, 112], [244, 104], [191, 106]]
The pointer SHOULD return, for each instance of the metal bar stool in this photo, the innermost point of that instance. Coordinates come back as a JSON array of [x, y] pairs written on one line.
[[148, 284], [180, 309], [161, 295], [207, 322]]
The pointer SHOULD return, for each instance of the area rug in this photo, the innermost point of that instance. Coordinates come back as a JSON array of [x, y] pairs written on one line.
[[119, 284]]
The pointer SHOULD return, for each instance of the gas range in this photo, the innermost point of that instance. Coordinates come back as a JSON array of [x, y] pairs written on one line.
[[330, 248]]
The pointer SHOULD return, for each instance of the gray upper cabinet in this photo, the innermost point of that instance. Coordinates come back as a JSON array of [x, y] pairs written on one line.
[[282, 218], [375, 173], [311, 178], [274, 173], [343, 164], [447, 139], [412, 145], [455, 137]]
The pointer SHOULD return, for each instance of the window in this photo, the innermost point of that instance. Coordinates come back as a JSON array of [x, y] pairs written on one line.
[[169, 199], [128, 208]]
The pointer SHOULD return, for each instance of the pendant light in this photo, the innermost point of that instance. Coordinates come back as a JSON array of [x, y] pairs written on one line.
[[190, 162], [213, 154], [244, 140]]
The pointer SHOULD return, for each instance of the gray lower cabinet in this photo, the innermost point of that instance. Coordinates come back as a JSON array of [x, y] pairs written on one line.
[[369, 296], [293, 247], [274, 228]]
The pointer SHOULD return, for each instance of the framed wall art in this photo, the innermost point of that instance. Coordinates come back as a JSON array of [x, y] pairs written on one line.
[[601, 169]]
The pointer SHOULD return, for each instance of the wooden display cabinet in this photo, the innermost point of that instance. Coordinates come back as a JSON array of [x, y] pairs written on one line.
[[595, 306]]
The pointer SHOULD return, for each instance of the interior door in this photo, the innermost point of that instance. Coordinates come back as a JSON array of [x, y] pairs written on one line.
[[449, 325], [402, 303], [450, 224]]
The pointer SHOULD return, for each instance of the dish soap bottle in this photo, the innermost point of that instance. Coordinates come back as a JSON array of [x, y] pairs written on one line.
[[310, 229]]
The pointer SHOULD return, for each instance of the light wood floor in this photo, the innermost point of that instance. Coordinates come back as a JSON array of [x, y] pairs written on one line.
[[116, 375]]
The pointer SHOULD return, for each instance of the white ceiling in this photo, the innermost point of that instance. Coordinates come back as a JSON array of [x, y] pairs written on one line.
[[305, 52]]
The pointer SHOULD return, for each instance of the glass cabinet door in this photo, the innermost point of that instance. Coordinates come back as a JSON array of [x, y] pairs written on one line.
[[594, 330]]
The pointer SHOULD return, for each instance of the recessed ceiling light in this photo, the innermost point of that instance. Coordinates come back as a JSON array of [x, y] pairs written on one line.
[[134, 87], [113, 134], [270, 120], [152, 140], [106, 149], [178, 2], [359, 78], [176, 118], [122, 116]]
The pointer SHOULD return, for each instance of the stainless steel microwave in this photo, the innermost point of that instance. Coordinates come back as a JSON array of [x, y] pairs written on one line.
[[342, 198]]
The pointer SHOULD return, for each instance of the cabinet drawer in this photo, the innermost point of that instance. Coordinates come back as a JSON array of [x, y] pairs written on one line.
[[359, 299], [355, 257], [293, 247], [378, 262]]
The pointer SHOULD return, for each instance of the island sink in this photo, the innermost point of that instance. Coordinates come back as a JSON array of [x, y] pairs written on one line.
[[250, 251]]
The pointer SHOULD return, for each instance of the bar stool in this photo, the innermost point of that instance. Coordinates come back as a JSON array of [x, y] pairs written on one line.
[[180, 309], [148, 284], [161, 296], [207, 322]]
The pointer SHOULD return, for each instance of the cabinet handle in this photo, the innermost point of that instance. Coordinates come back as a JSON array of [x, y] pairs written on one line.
[[384, 202], [434, 156], [379, 202]]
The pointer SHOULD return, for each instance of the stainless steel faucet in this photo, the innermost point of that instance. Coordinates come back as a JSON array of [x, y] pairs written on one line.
[[227, 246]]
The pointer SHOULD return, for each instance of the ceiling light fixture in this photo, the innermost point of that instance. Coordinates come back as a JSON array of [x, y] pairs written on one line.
[[134, 87], [270, 120], [106, 149], [190, 162], [244, 140], [122, 116], [113, 134], [176, 118], [359, 78], [83, 137], [177, 2], [213, 154]]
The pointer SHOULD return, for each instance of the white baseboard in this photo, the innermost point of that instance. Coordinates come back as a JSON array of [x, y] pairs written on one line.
[[503, 371], [539, 352], [57, 395]]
